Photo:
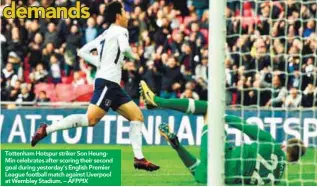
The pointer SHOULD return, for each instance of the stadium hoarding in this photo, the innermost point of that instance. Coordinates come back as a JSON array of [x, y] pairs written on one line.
[[17, 126]]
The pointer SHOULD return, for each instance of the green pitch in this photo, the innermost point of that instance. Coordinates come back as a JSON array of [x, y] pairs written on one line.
[[173, 172]]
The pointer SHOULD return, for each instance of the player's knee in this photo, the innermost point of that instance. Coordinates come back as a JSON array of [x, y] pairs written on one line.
[[138, 117], [92, 121], [206, 119]]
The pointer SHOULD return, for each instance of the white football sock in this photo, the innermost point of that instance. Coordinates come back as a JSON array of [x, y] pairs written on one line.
[[136, 138], [71, 121]]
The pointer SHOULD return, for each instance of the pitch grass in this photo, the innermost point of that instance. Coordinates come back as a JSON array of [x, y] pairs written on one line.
[[173, 172]]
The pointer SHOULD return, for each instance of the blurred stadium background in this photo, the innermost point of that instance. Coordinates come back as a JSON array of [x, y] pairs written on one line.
[[271, 70]]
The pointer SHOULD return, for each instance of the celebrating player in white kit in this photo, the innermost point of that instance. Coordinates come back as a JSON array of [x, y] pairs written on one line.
[[112, 46]]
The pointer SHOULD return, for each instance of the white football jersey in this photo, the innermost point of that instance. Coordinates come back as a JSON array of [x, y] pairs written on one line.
[[111, 45]]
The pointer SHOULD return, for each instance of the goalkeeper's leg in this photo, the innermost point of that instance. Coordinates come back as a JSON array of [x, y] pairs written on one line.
[[189, 106], [201, 170], [195, 166], [183, 105]]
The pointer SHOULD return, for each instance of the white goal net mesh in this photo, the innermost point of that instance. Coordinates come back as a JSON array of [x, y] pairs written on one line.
[[271, 77]]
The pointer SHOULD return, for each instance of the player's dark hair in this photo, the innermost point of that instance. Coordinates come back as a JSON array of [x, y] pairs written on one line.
[[112, 9], [295, 149]]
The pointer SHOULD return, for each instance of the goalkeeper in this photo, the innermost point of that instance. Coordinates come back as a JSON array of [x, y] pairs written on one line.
[[259, 163]]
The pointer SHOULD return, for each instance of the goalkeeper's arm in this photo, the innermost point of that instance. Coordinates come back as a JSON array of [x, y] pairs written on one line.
[[253, 131]]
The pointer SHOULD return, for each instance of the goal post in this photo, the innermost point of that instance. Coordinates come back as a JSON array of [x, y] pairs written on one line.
[[216, 92]]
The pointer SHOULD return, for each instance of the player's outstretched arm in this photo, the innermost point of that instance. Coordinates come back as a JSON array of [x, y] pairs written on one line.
[[85, 52], [253, 131]]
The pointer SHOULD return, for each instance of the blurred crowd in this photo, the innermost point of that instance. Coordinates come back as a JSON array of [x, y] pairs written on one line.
[[270, 50]]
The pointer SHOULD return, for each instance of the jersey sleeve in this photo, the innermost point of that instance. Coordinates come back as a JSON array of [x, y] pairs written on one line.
[[123, 40], [253, 131], [85, 51]]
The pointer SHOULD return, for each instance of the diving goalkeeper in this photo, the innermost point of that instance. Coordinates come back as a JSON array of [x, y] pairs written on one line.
[[261, 162]]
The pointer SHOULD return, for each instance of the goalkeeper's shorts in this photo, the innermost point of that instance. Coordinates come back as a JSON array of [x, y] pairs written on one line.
[[201, 169]]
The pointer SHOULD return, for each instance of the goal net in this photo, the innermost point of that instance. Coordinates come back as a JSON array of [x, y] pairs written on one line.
[[271, 77]]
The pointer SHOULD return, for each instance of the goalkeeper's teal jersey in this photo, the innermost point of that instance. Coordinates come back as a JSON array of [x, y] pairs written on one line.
[[259, 163]]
